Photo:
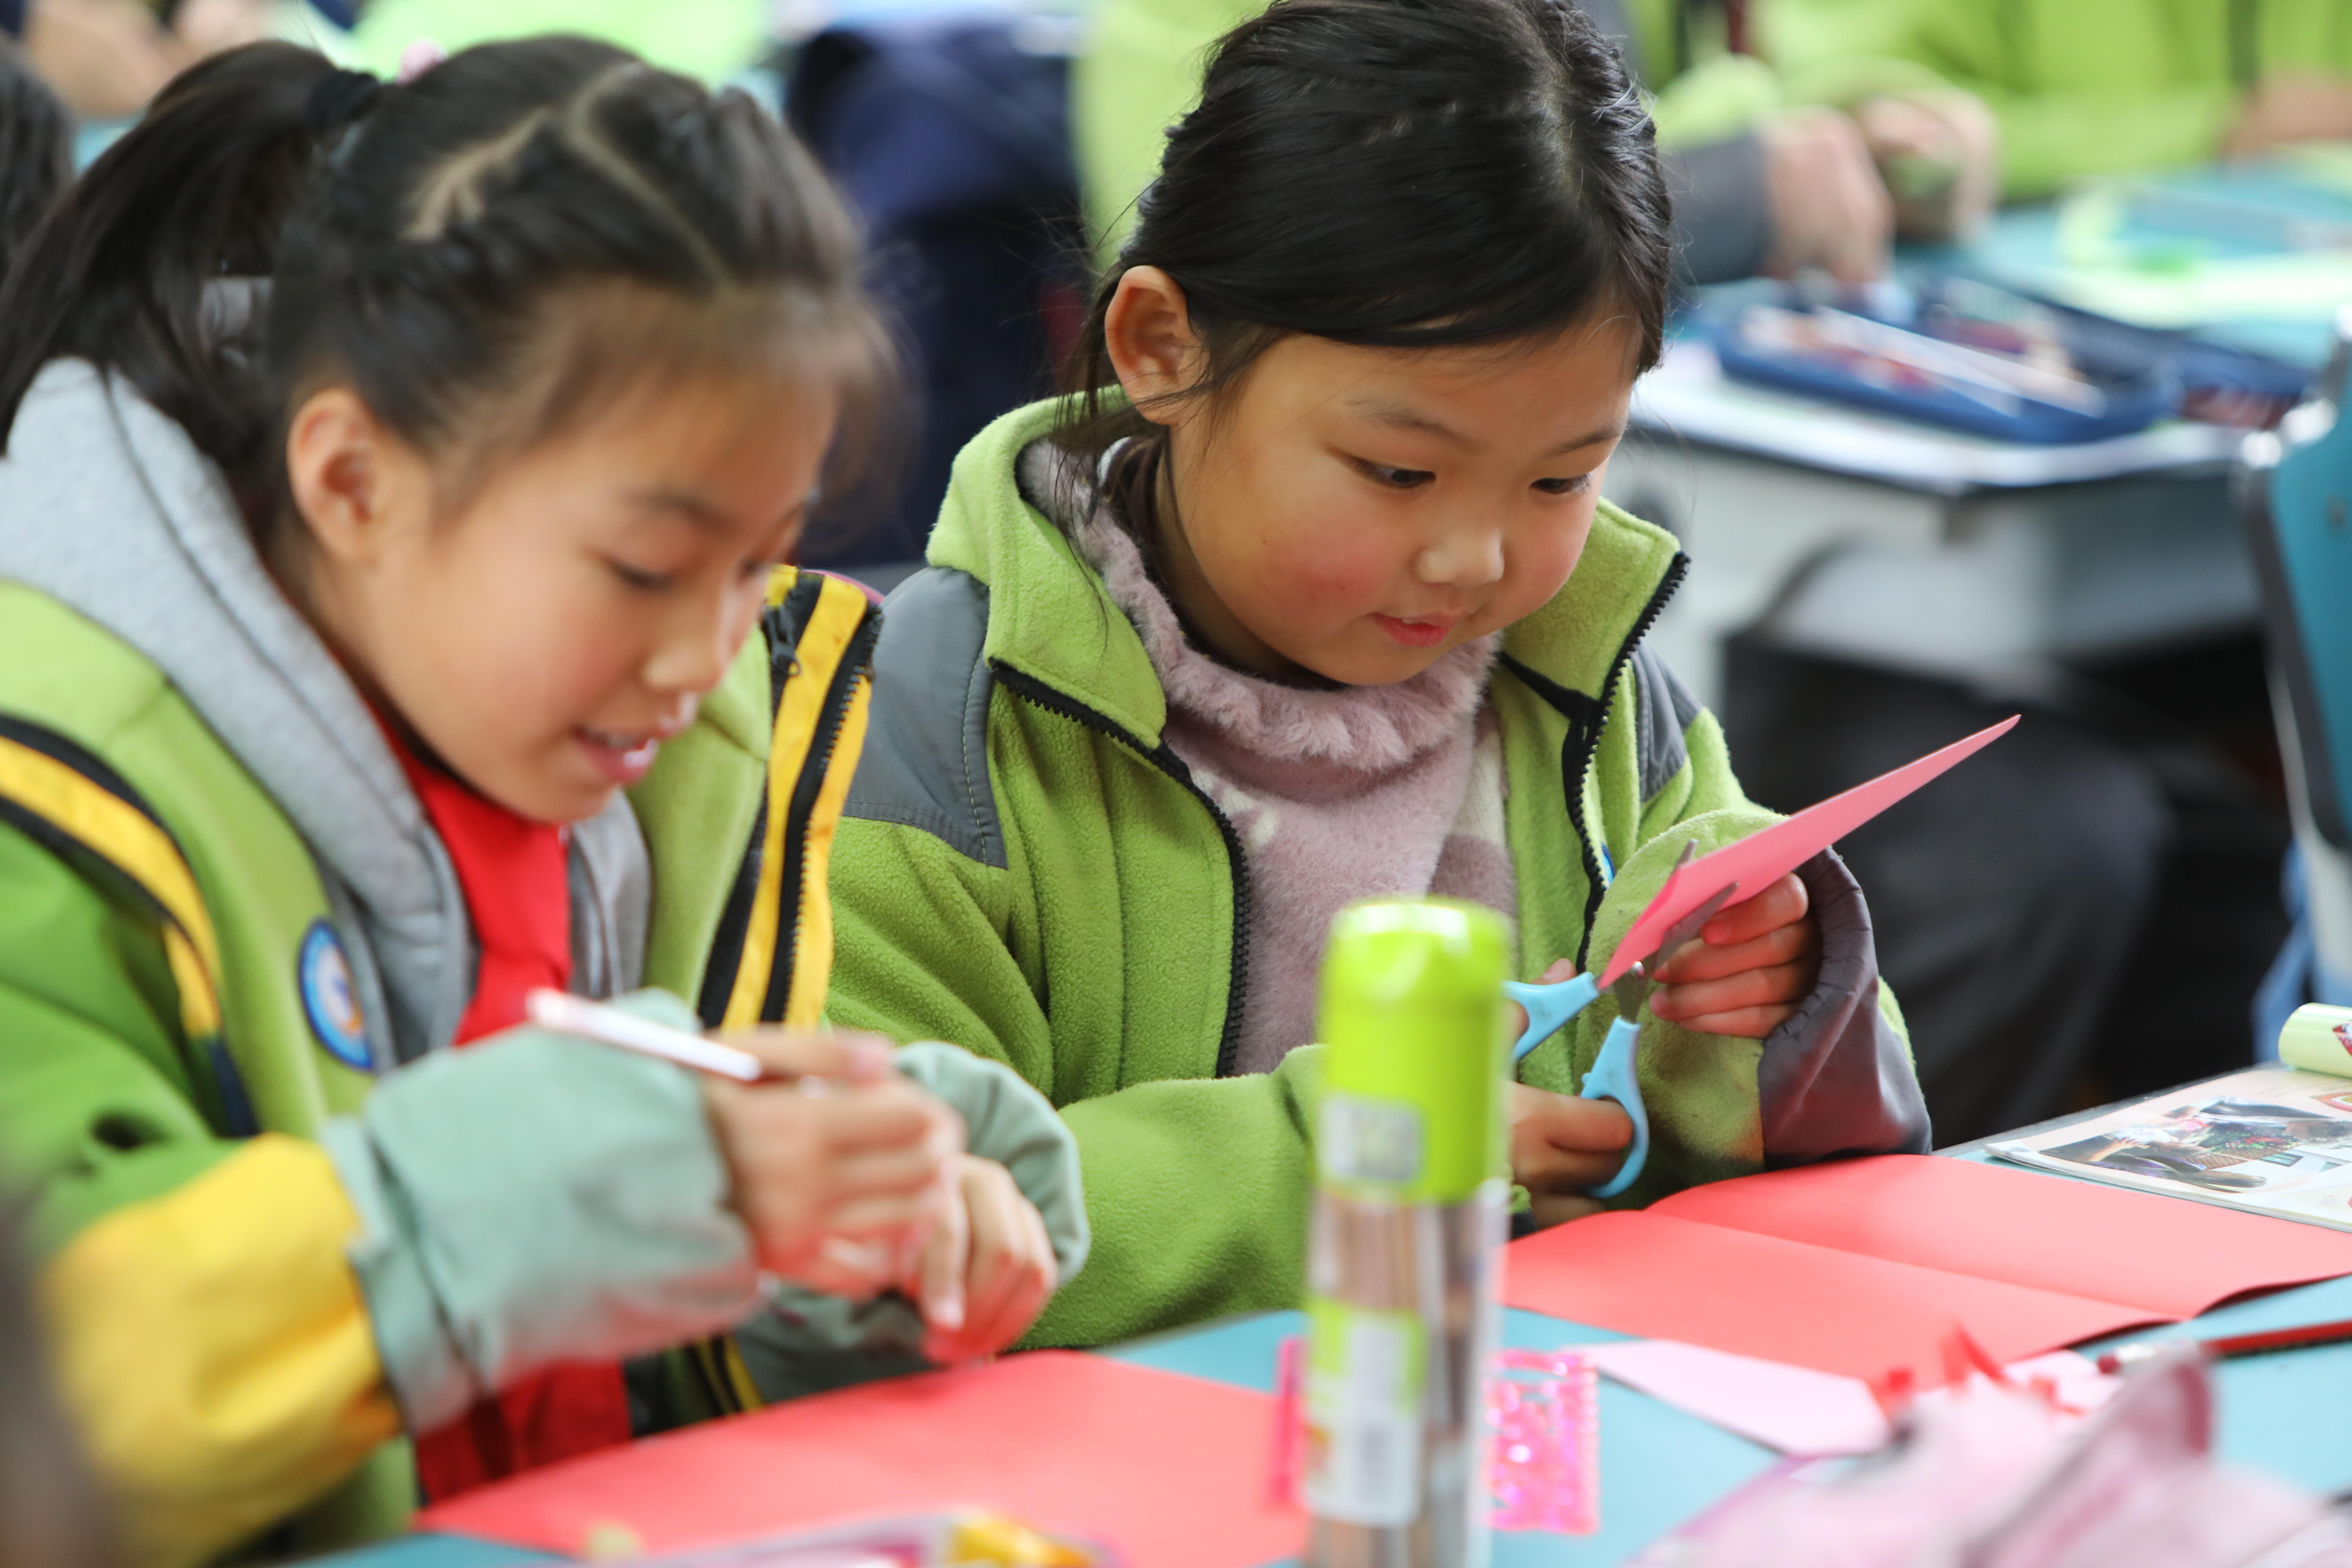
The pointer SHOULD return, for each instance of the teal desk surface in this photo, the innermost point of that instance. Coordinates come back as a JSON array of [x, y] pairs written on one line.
[[2289, 1414]]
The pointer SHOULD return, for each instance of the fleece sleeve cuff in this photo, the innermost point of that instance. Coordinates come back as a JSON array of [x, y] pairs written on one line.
[[1837, 1077], [531, 1199]]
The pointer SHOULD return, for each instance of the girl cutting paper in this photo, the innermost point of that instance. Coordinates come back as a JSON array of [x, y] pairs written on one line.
[[1307, 595]]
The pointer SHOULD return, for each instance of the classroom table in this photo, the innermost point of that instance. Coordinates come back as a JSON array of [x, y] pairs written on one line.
[[1895, 545], [2288, 1414]]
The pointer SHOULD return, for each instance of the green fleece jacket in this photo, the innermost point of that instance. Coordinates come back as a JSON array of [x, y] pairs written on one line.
[[1025, 867], [2080, 87]]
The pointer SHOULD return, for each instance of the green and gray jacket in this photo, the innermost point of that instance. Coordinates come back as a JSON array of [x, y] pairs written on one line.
[[279, 1224], [2079, 87], [1026, 869]]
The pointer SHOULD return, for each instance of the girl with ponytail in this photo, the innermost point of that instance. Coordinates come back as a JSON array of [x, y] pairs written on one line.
[[397, 485], [1308, 594]]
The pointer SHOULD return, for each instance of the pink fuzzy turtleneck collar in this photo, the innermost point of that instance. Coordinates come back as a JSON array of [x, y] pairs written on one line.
[[1374, 728]]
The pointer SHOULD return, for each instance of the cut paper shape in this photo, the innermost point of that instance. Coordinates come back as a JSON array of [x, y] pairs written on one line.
[[1169, 1470], [1865, 1267], [1761, 860], [1799, 1411]]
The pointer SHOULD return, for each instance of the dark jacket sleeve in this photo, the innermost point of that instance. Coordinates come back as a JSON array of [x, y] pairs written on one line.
[[1836, 1078]]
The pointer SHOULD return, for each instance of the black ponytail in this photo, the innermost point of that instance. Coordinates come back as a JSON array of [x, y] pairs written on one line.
[[479, 253], [1395, 173]]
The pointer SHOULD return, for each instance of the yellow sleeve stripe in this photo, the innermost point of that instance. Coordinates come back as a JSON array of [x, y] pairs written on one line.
[[69, 802], [214, 1350], [840, 610]]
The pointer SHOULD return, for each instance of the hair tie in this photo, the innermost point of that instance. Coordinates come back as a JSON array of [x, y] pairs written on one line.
[[339, 97]]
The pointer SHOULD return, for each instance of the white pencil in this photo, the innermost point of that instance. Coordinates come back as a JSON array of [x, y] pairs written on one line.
[[588, 1020]]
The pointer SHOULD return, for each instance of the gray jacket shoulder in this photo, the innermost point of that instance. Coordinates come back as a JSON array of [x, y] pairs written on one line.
[[926, 759], [1663, 708]]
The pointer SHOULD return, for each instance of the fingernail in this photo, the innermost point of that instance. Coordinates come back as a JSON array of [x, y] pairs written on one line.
[[949, 1313], [868, 1061]]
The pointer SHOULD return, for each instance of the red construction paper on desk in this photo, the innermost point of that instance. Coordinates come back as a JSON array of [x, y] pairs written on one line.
[[1170, 1469], [1860, 1266]]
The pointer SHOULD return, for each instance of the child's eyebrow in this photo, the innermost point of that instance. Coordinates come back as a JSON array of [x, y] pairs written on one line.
[[1404, 417], [697, 510]]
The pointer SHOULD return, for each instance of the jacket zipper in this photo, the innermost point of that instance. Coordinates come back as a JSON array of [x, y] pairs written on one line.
[[1038, 694], [855, 660], [1587, 716]]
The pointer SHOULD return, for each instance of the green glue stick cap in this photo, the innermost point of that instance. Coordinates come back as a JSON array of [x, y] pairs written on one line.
[[1413, 1017], [2318, 1039]]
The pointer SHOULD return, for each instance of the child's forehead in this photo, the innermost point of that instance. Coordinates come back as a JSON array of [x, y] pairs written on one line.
[[1566, 389]]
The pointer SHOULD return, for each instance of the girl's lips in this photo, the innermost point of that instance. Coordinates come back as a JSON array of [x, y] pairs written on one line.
[[620, 758], [1427, 632]]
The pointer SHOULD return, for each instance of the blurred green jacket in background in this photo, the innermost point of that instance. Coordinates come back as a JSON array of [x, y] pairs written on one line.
[[1142, 71], [2079, 87], [708, 39]]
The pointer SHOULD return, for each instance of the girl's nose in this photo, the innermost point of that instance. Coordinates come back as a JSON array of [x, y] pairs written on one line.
[[1470, 556], [692, 655]]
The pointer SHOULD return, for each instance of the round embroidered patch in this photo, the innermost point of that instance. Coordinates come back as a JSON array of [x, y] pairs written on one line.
[[325, 977]]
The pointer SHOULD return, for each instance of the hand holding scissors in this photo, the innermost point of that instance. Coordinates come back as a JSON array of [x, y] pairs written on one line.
[[1612, 1073]]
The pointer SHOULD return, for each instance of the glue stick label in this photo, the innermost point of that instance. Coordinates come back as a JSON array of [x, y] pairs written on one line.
[[1374, 1142], [1367, 1374]]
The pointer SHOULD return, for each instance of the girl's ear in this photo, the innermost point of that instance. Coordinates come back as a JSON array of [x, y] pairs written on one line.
[[345, 469], [1148, 335]]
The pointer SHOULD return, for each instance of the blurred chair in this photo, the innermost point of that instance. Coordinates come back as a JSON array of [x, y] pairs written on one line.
[[2295, 493], [951, 136]]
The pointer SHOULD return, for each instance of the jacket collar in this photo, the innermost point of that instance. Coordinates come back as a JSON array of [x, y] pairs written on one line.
[[1050, 617]]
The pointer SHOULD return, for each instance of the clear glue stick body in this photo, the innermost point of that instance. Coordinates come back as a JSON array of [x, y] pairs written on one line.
[[1412, 1206]]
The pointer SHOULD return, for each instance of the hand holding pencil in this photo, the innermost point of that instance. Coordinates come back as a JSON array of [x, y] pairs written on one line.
[[852, 1179], [833, 1147]]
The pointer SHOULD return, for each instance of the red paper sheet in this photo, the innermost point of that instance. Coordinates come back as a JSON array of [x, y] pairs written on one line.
[[1171, 1470], [1860, 1266]]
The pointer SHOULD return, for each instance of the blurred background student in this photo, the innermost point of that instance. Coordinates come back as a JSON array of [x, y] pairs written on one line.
[[2090, 86], [1759, 185]]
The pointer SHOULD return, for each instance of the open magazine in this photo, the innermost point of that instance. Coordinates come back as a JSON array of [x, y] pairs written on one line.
[[2273, 1140]]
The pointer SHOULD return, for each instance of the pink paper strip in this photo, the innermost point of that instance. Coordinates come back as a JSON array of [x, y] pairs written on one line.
[[1759, 860]]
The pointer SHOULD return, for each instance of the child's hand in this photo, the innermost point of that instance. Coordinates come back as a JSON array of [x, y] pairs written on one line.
[[988, 1268], [1747, 969], [1560, 1144], [852, 1154]]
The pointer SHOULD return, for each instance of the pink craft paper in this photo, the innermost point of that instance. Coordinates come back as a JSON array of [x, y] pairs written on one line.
[[1797, 1410], [1861, 1266], [1170, 1470], [1759, 860]]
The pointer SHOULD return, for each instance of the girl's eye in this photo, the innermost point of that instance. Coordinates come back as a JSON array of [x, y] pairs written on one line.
[[1396, 479], [636, 577], [1563, 487]]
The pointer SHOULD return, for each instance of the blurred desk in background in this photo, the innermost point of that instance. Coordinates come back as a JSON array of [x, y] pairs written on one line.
[[1905, 546]]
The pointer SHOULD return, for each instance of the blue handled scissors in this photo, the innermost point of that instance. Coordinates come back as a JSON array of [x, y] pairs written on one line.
[[1612, 1074]]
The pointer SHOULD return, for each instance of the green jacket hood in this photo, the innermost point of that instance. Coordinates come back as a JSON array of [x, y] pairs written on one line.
[[1046, 627]]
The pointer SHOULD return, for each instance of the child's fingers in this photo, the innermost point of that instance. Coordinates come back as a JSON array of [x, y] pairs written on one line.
[[1784, 901], [850, 1055], [881, 1171], [1012, 1272], [1563, 1145], [1776, 986], [1742, 1023], [888, 1215], [944, 1262], [892, 1115], [1698, 961]]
